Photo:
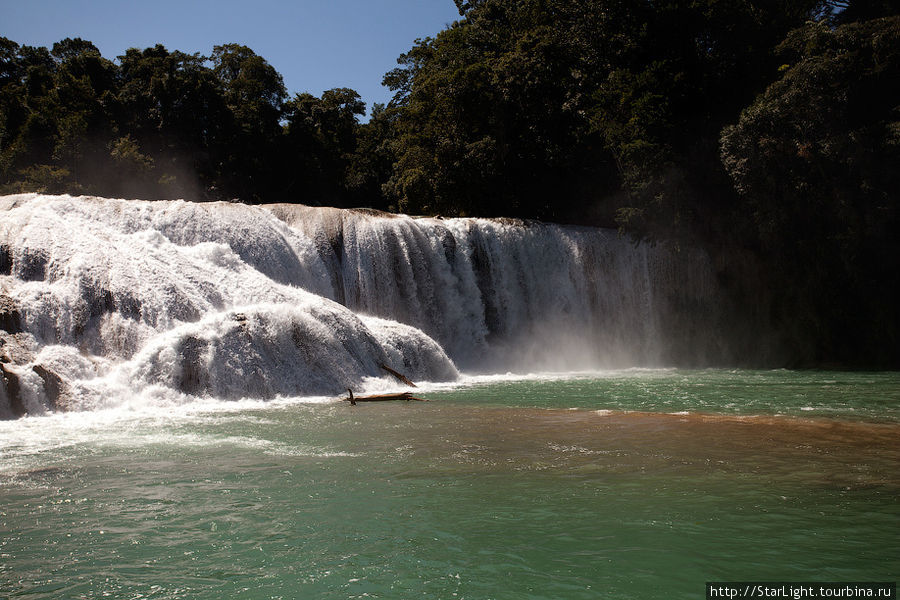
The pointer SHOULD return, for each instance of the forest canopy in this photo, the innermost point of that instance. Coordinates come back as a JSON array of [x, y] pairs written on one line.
[[762, 128]]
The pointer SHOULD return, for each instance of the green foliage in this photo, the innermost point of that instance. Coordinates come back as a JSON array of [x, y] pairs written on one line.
[[324, 132], [814, 160], [253, 92], [164, 123], [371, 163], [126, 153], [489, 114], [562, 108], [45, 179]]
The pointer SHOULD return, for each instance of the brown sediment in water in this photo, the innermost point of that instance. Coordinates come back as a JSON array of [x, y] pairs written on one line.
[[825, 452]]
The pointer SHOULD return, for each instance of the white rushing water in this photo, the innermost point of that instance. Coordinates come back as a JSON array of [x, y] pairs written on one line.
[[103, 301]]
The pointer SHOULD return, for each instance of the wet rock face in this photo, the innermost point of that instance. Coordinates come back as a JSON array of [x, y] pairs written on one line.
[[54, 387], [5, 260], [11, 389], [31, 265], [194, 377], [10, 316]]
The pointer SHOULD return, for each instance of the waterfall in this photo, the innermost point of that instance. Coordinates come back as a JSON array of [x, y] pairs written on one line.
[[103, 298]]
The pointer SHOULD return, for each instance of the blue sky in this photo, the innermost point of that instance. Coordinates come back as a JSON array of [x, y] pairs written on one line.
[[315, 44]]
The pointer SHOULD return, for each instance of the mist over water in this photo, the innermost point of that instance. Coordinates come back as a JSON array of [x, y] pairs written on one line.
[[103, 299]]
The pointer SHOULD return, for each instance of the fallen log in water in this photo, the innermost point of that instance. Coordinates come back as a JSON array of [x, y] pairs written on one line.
[[382, 397], [399, 376]]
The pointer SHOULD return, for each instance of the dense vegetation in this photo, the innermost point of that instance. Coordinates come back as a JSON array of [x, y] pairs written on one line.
[[767, 130]]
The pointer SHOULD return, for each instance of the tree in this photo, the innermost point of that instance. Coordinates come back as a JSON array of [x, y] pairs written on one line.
[[321, 137], [27, 127], [173, 109], [490, 114], [679, 72], [548, 108], [254, 93], [12, 109], [814, 160], [372, 161], [84, 98], [164, 124], [56, 116]]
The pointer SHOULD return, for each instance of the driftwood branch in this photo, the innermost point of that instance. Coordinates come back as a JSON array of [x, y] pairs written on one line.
[[399, 376], [381, 397]]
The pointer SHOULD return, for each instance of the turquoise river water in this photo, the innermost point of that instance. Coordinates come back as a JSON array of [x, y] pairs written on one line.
[[628, 484]]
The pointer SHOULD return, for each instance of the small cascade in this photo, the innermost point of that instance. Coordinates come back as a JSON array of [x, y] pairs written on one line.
[[104, 298]]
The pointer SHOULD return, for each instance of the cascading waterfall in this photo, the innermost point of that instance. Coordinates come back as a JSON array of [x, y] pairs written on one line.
[[104, 299], [504, 295]]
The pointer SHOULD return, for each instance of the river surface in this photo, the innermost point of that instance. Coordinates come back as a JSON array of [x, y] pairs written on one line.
[[625, 484]]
